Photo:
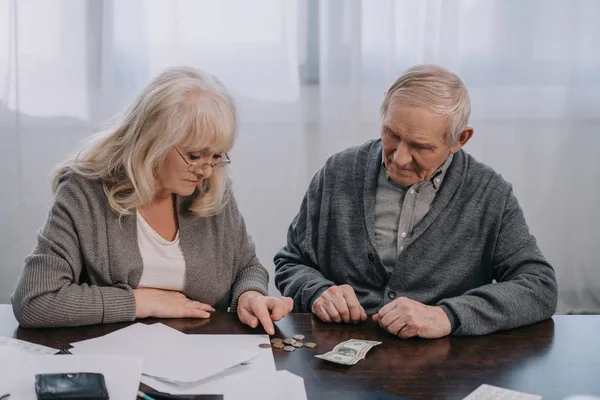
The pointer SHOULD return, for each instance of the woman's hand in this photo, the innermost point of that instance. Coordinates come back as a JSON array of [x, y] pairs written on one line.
[[253, 308], [159, 303]]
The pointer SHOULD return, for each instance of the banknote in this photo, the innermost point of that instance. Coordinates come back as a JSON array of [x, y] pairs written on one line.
[[349, 352]]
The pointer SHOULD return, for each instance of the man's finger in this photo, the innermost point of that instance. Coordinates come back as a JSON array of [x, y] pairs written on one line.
[[260, 311], [318, 301], [390, 317], [363, 314], [407, 332], [290, 303], [386, 309], [353, 305], [397, 325], [332, 311], [341, 306], [322, 312]]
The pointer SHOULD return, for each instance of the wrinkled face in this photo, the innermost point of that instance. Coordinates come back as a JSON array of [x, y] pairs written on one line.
[[175, 174], [414, 143]]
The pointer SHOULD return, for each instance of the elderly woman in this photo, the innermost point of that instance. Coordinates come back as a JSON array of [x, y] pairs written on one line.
[[144, 222]]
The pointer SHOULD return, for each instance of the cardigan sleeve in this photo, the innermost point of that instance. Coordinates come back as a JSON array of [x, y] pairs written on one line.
[[526, 290], [297, 272], [49, 292]]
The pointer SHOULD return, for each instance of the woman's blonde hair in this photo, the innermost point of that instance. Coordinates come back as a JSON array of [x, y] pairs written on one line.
[[437, 89], [181, 104]]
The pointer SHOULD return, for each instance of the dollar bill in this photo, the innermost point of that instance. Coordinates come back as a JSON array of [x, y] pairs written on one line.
[[349, 352]]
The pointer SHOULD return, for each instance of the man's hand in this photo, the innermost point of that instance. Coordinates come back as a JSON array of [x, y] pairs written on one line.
[[253, 308], [408, 318], [337, 304], [168, 304]]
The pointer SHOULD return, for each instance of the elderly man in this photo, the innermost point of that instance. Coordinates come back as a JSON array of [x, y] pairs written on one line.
[[414, 230]]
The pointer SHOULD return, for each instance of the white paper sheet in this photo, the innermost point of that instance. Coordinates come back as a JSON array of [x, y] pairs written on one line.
[[121, 374], [485, 392], [258, 380], [9, 371], [168, 353], [28, 347], [244, 385], [263, 364], [275, 386]]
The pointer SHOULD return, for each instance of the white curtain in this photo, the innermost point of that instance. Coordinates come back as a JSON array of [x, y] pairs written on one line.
[[309, 76]]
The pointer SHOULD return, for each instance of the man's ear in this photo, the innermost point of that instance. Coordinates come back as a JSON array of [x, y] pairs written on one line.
[[465, 135]]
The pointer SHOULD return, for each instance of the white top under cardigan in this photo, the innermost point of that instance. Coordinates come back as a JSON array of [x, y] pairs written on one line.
[[164, 265]]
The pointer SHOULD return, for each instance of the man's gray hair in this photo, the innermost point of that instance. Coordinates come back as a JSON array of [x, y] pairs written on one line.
[[437, 89]]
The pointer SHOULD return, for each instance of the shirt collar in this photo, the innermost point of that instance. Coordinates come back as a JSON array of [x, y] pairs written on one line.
[[438, 177]]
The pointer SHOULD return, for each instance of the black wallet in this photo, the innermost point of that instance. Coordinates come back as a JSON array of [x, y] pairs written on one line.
[[87, 385]]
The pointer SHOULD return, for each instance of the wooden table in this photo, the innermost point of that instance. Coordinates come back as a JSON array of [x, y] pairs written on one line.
[[555, 358]]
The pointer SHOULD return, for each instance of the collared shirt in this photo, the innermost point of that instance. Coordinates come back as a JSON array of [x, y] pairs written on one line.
[[399, 209]]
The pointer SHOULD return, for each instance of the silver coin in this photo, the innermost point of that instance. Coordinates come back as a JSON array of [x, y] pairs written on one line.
[[289, 341], [298, 345], [299, 337], [310, 345], [264, 346], [289, 348]]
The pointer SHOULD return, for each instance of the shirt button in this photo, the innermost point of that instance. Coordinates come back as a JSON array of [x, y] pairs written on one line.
[[404, 234], [392, 295], [437, 180], [411, 191], [401, 248]]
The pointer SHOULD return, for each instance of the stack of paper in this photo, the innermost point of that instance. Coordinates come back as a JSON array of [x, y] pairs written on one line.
[[169, 355], [257, 379], [17, 377], [164, 359], [262, 364]]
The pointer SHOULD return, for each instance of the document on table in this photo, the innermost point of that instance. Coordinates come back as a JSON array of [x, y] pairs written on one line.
[[275, 386], [485, 392], [262, 364], [28, 347], [169, 354], [122, 374], [258, 379], [244, 384]]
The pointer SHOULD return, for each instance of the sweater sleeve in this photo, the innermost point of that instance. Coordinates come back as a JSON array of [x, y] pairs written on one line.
[[49, 292], [297, 272], [250, 274], [526, 291]]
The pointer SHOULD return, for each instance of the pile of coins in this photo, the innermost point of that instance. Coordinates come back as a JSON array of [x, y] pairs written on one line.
[[289, 345]]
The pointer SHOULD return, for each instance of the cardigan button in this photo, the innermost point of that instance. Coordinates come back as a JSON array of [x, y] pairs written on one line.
[[371, 257], [392, 295]]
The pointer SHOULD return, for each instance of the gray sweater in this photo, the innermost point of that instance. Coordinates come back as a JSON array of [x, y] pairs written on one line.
[[86, 262], [474, 233]]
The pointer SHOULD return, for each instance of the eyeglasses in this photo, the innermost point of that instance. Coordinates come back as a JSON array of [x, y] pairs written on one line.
[[195, 165]]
